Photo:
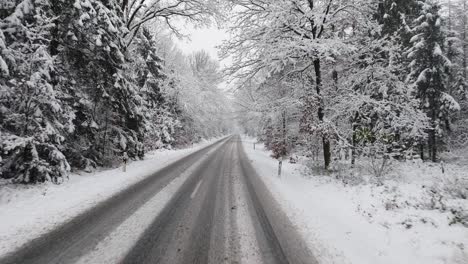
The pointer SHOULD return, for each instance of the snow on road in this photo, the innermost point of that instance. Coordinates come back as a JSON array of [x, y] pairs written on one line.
[[30, 211], [249, 248], [354, 224], [115, 247]]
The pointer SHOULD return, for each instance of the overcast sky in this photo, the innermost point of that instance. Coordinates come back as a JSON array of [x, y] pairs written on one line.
[[203, 39]]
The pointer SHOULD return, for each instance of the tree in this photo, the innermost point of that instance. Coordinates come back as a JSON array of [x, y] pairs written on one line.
[[384, 115], [453, 16], [136, 13], [147, 69], [465, 40], [32, 117], [195, 96], [394, 16], [107, 121], [456, 19], [76, 94], [429, 72], [270, 35]]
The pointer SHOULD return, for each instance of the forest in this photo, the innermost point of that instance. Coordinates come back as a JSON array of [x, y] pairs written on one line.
[[234, 131], [339, 80], [85, 82]]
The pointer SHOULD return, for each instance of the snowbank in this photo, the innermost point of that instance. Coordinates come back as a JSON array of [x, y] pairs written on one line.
[[31, 210], [404, 220]]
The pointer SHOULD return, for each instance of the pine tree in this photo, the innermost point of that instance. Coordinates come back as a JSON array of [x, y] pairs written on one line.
[[108, 120], [378, 104], [394, 16], [429, 74], [32, 117], [161, 122], [74, 91]]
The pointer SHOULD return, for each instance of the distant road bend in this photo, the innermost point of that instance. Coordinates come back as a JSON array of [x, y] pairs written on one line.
[[202, 222]]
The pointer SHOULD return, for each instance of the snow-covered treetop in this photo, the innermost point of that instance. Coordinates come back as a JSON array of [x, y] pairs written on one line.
[[138, 12], [268, 35]]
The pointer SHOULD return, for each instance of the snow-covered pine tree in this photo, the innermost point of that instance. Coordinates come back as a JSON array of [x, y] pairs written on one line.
[[267, 135], [382, 111], [372, 94], [160, 121], [107, 119], [32, 116], [453, 23], [454, 14], [394, 15], [429, 75], [74, 91]]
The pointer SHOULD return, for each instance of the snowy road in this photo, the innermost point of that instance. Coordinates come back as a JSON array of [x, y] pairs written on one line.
[[219, 212]]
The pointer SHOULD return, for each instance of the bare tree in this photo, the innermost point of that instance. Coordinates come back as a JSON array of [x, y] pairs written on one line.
[[136, 13]]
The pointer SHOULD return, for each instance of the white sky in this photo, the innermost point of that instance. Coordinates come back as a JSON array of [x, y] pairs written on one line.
[[202, 39]]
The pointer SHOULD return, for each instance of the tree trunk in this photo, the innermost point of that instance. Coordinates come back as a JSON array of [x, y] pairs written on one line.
[[465, 41], [284, 129], [280, 164], [353, 149], [433, 137], [431, 145], [321, 114], [283, 150], [421, 150]]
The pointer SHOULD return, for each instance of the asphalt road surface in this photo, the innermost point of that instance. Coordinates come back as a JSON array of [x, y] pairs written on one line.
[[201, 222]]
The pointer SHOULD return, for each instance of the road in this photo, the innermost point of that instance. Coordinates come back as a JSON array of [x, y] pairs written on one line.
[[221, 213]]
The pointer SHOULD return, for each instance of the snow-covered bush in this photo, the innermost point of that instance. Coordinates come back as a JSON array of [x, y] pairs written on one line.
[[29, 161], [455, 186], [379, 166]]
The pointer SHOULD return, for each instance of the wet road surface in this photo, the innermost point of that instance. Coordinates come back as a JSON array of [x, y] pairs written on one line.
[[201, 222]]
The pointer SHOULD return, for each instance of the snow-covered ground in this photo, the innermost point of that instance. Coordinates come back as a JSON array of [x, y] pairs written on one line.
[[31, 210], [408, 219]]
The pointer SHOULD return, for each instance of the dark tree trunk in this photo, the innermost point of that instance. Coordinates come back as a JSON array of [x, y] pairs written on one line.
[[433, 135], [421, 150], [433, 146], [284, 128], [321, 113], [354, 142]]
